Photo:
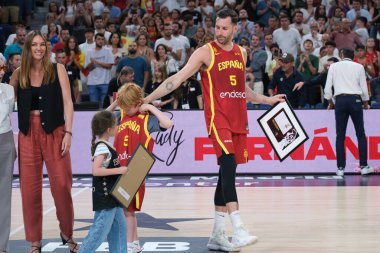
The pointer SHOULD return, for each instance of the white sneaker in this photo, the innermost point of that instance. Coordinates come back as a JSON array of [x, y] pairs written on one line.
[[219, 241], [134, 249], [366, 170], [242, 237], [340, 172]]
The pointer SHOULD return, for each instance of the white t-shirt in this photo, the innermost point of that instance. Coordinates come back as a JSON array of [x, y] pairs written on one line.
[[288, 40], [99, 75], [102, 149]]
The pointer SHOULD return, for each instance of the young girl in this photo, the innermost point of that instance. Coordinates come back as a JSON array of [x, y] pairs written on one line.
[[138, 122], [109, 221]]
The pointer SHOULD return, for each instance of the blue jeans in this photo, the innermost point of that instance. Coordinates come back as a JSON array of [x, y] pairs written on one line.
[[110, 224], [97, 92], [349, 106]]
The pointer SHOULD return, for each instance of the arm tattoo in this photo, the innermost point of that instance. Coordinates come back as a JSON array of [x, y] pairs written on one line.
[[169, 86]]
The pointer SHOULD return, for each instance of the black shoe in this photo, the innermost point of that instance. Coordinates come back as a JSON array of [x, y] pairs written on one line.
[[69, 241], [35, 249]]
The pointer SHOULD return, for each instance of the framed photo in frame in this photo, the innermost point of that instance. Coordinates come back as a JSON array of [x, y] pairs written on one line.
[[128, 184], [283, 129]]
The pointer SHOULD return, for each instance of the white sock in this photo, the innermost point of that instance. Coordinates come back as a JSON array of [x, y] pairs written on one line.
[[219, 221], [236, 219], [136, 243]]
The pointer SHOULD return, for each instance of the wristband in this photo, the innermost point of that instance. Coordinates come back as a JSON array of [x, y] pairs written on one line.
[[68, 132]]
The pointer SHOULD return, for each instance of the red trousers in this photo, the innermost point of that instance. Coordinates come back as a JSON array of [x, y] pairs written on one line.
[[34, 149]]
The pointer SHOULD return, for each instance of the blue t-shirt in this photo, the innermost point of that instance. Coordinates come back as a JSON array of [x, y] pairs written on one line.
[[139, 66]]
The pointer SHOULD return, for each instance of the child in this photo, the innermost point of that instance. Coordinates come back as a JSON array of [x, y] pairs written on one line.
[[109, 221], [138, 122]]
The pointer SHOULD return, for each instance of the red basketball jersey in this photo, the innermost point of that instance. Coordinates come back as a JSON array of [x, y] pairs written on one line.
[[223, 84], [132, 131]]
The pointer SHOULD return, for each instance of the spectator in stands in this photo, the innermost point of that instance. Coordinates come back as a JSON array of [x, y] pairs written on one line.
[[163, 59], [206, 9], [275, 62], [208, 25], [286, 6], [344, 37], [166, 101], [188, 26], [314, 36], [188, 95], [330, 52], [64, 35], [138, 63], [373, 54], [68, 8], [48, 20], [72, 73], [308, 12], [13, 63], [320, 80], [361, 58], [10, 12], [286, 37], [97, 7], [195, 14], [272, 25], [99, 27], [53, 34], [245, 27], [361, 29], [174, 46], [89, 44], [322, 24], [18, 45], [131, 24], [143, 49], [176, 16], [115, 11], [184, 43], [298, 24], [259, 31], [320, 11], [375, 14], [165, 15], [98, 62], [75, 58], [357, 11], [83, 18], [54, 12], [7, 156], [258, 59], [198, 39], [284, 80], [88, 8], [118, 51], [267, 8], [126, 75], [134, 6], [307, 65], [220, 4], [342, 5]]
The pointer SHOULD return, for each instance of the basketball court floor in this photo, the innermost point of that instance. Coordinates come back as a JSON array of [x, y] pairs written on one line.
[[289, 214]]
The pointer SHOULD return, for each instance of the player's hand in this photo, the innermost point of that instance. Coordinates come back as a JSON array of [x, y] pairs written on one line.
[[298, 86], [330, 106], [275, 99]]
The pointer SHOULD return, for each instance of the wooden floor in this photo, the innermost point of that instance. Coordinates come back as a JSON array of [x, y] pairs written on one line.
[[286, 219]]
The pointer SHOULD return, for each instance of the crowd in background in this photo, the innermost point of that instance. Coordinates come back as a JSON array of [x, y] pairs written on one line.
[[104, 44]]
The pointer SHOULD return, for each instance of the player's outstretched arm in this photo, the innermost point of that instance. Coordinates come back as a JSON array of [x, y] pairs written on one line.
[[197, 59], [261, 99]]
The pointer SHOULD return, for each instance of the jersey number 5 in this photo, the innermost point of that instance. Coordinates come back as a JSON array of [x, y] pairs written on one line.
[[233, 80], [125, 143]]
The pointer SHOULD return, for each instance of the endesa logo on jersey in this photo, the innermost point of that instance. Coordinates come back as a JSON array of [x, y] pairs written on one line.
[[233, 94]]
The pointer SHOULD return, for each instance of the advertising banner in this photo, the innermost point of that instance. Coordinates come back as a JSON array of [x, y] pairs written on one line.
[[186, 149]]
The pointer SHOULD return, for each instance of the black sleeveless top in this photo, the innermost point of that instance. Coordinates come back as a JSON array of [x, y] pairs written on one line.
[[50, 105], [102, 186]]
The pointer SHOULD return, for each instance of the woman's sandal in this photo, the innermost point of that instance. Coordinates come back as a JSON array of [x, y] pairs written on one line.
[[35, 249], [70, 242]]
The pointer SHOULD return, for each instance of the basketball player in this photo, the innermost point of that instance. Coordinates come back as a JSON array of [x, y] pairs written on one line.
[[222, 66]]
